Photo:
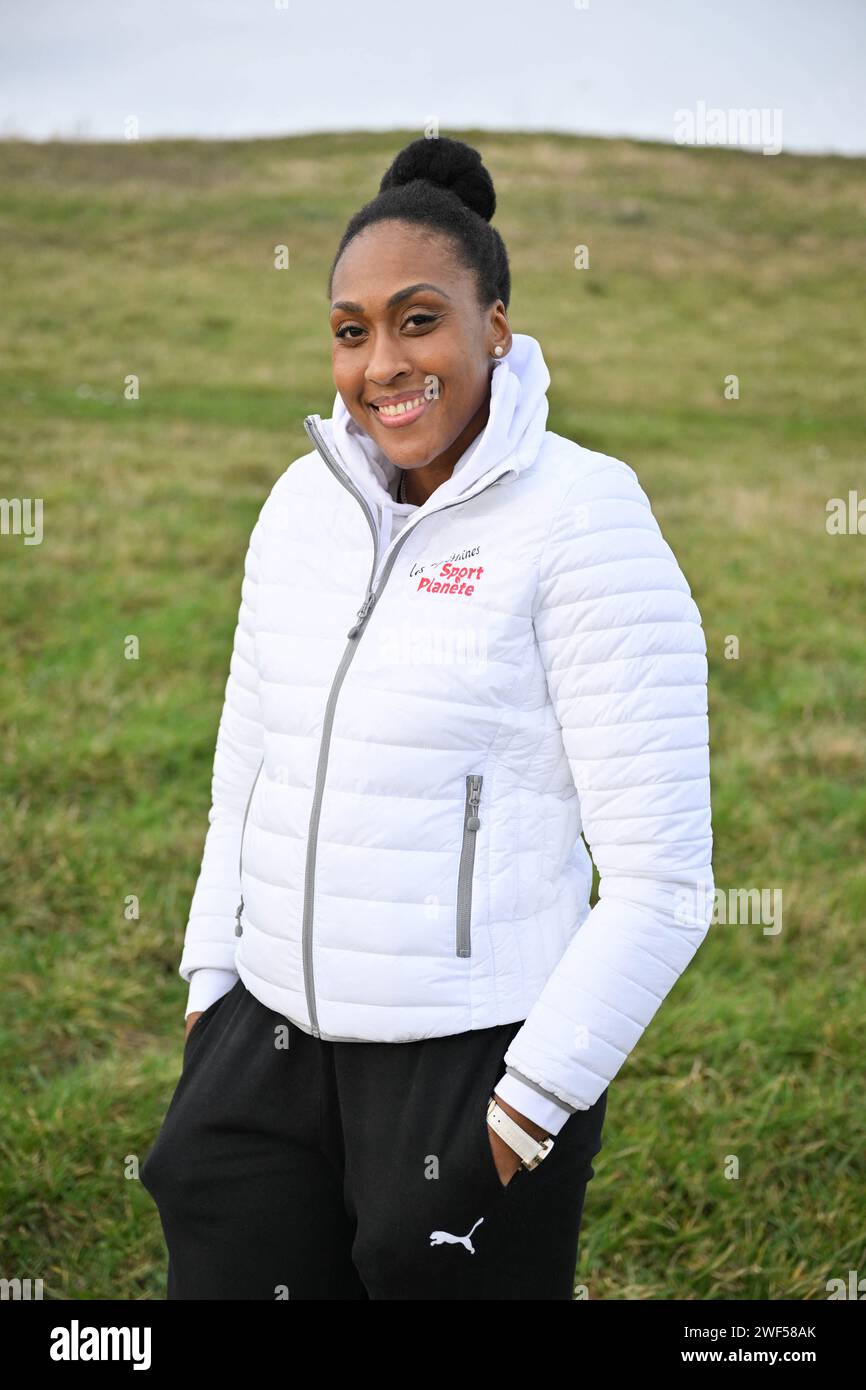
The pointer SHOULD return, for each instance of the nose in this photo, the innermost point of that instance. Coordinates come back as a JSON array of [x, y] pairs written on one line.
[[387, 362]]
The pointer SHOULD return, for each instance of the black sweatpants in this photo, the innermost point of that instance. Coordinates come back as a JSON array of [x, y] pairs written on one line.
[[290, 1167]]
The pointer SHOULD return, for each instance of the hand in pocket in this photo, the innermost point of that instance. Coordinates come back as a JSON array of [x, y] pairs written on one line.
[[191, 1021], [507, 1161]]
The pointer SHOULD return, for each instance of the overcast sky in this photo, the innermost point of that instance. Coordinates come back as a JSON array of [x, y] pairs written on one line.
[[77, 69]]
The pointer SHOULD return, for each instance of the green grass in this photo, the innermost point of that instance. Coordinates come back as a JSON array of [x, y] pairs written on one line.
[[157, 259]]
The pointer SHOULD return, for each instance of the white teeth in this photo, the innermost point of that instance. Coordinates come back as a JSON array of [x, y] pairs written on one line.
[[402, 408]]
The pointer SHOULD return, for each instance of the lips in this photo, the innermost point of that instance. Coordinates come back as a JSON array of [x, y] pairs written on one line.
[[400, 406], [400, 410]]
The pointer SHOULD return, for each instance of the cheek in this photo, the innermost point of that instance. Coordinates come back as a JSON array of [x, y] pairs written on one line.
[[348, 382], [458, 384], [463, 394]]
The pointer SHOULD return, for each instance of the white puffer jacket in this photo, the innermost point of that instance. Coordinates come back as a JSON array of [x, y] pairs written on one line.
[[425, 708]]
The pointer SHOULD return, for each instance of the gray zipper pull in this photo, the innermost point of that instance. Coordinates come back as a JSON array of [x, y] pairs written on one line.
[[471, 824], [472, 821], [362, 614], [239, 931]]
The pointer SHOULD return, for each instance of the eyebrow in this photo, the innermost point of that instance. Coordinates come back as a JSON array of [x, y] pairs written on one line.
[[395, 298]]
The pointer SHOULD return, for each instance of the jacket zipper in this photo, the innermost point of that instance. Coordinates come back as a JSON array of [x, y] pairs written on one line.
[[355, 633], [467, 864], [238, 928]]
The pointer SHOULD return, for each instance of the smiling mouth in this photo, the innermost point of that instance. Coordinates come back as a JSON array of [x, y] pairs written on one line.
[[403, 413]]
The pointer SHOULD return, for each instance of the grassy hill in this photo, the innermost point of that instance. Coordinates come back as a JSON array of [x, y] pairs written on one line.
[[157, 260]]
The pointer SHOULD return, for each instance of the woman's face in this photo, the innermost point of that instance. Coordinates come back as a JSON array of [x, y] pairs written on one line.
[[408, 327]]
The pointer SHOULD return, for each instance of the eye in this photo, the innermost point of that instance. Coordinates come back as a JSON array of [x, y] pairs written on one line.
[[350, 332]]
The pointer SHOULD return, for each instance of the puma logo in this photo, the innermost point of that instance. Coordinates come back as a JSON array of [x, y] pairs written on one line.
[[446, 1238]]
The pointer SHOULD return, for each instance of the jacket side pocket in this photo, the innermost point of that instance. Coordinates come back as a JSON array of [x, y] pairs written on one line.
[[471, 822], [238, 927]]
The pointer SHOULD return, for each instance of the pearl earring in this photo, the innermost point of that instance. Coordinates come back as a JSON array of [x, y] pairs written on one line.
[[497, 351]]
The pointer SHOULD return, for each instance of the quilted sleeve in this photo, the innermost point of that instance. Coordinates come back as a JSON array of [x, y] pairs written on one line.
[[624, 653], [209, 941]]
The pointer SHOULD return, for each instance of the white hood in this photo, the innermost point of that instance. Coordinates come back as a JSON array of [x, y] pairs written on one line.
[[514, 430]]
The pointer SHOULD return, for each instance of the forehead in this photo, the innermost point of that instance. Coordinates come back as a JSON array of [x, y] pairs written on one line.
[[390, 255]]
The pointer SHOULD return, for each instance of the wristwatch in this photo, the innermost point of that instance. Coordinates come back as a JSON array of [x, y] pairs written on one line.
[[530, 1151]]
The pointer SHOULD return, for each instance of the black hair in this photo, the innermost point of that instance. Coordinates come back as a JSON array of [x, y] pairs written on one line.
[[442, 184]]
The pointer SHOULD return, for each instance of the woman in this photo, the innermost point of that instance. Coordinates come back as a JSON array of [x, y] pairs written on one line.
[[462, 640]]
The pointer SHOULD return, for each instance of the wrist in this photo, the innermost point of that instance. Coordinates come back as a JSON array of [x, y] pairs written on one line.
[[535, 1130]]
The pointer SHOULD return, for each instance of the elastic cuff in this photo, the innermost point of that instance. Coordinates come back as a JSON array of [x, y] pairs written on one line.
[[206, 985], [536, 1107]]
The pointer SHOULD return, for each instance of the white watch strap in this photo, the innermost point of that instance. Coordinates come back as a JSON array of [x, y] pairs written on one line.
[[530, 1151]]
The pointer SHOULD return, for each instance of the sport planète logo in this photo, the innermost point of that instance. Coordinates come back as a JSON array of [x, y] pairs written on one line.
[[451, 579]]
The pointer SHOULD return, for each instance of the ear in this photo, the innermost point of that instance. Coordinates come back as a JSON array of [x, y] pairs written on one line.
[[500, 332]]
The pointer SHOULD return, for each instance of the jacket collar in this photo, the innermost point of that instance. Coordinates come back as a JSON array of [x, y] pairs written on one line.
[[512, 435]]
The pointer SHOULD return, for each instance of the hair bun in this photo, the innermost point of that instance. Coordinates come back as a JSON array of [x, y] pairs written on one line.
[[449, 164]]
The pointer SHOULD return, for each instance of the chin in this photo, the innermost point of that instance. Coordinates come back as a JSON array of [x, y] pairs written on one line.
[[406, 454], [413, 460]]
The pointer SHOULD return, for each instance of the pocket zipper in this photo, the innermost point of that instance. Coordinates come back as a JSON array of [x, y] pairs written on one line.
[[471, 823], [238, 928]]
